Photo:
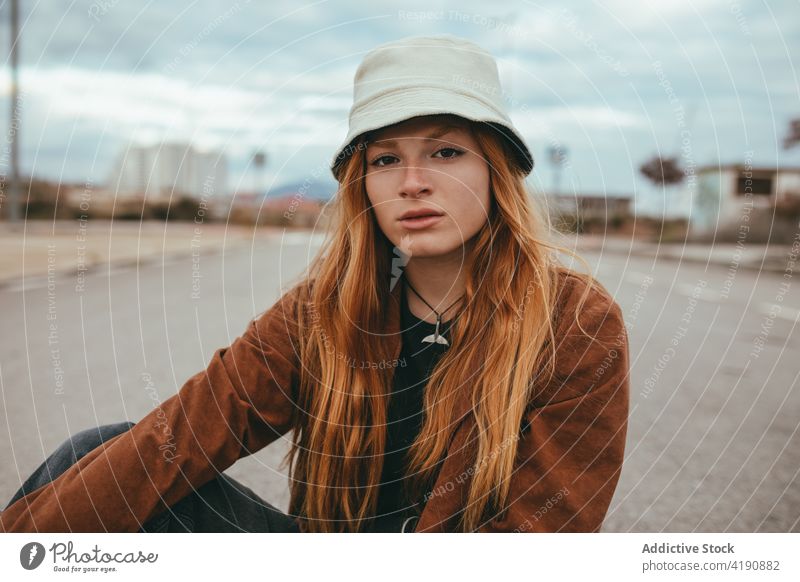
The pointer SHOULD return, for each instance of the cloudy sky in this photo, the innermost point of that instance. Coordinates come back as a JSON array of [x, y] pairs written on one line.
[[613, 82]]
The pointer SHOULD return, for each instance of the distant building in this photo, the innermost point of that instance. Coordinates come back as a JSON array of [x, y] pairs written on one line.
[[165, 170], [584, 208], [291, 211], [726, 192]]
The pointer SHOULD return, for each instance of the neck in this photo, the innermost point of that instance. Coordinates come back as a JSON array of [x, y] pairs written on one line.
[[440, 280]]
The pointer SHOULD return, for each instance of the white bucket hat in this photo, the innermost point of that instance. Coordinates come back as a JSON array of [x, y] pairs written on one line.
[[427, 75]]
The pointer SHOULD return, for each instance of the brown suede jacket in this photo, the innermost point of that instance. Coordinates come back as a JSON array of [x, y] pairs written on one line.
[[568, 462]]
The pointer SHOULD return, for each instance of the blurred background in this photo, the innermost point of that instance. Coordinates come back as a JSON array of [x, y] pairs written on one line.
[[164, 174]]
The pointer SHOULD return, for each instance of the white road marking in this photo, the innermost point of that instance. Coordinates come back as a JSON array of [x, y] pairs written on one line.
[[115, 271], [702, 293], [637, 278], [302, 238], [780, 311], [28, 284]]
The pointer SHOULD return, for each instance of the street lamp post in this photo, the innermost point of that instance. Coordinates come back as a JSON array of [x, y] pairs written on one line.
[[557, 155]]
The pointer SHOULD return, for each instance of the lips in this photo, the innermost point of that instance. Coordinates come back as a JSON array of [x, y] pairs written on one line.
[[421, 221], [419, 213]]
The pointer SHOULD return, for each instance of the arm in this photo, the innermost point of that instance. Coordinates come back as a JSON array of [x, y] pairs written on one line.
[[570, 457], [242, 402]]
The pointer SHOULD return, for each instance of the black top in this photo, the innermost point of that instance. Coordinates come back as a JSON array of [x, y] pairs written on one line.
[[405, 416]]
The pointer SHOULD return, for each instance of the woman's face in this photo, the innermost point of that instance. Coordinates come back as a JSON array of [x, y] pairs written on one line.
[[434, 165]]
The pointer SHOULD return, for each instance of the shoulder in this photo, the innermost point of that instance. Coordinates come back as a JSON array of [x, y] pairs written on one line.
[[296, 293], [590, 339], [284, 316], [582, 301]]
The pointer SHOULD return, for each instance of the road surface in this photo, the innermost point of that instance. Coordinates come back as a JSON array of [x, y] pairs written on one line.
[[713, 440]]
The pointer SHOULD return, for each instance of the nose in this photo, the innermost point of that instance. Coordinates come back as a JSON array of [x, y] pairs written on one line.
[[415, 182]]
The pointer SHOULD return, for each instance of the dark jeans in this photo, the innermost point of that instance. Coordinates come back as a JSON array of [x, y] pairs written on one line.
[[221, 505]]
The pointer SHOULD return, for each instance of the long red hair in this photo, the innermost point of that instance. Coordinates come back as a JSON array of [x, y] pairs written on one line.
[[335, 459]]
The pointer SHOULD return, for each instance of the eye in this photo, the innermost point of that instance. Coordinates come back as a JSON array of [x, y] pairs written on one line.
[[376, 161], [455, 153]]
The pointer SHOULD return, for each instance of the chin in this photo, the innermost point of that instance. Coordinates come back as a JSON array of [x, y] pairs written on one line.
[[429, 245]]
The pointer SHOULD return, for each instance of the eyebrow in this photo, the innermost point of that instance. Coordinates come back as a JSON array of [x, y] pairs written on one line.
[[440, 132]]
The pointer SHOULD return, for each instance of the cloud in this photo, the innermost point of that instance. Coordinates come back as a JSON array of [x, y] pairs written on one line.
[[277, 76]]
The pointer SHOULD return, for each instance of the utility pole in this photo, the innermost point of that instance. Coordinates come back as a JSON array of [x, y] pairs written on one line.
[[14, 118], [259, 163]]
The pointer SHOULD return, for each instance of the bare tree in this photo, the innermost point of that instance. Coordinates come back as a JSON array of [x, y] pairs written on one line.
[[793, 137], [662, 171]]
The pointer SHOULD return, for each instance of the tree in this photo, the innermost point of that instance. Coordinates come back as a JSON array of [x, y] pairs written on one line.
[[662, 171], [793, 137]]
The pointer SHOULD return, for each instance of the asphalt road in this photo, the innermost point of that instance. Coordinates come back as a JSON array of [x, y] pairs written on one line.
[[713, 440]]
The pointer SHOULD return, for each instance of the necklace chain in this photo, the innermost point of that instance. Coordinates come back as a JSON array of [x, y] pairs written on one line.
[[436, 337]]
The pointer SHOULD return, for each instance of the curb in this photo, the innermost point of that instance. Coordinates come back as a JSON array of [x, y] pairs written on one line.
[[772, 261], [17, 282]]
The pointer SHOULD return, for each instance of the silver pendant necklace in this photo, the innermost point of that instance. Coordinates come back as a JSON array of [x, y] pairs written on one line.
[[435, 337]]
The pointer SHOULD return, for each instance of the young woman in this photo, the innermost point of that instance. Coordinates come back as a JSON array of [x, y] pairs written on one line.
[[437, 366]]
